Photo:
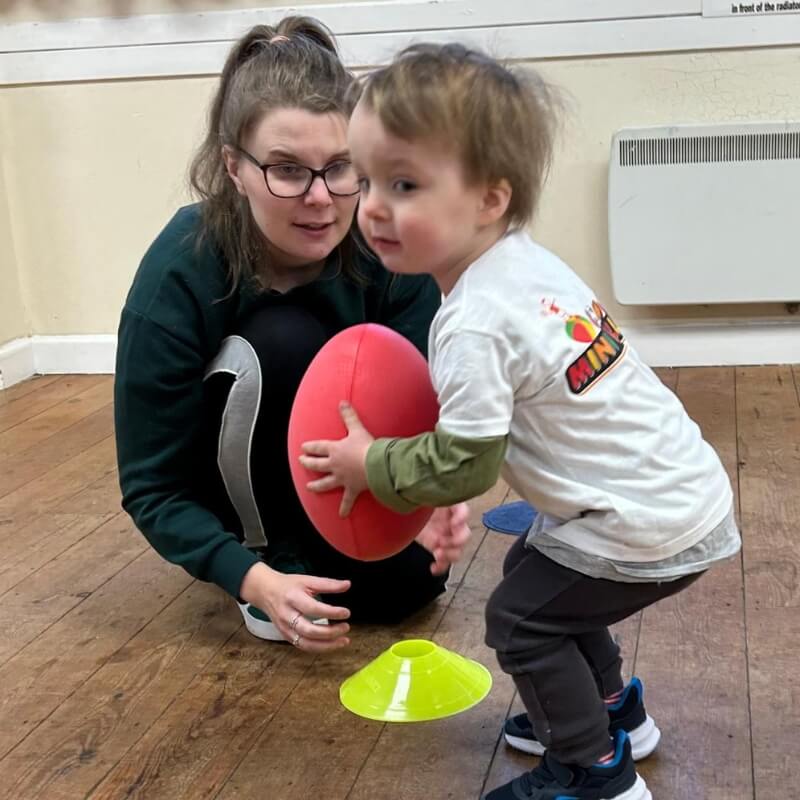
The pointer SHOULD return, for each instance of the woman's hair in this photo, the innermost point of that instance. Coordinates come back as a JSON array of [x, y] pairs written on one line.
[[500, 122], [292, 65]]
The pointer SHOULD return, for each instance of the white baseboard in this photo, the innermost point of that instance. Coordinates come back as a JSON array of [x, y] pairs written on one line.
[[56, 355], [16, 362], [86, 355], [718, 343], [661, 344]]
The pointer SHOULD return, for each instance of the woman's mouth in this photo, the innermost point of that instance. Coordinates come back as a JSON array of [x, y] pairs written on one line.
[[314, 228]]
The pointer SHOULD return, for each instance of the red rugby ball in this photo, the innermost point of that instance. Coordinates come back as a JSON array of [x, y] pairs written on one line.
[[385, 378]]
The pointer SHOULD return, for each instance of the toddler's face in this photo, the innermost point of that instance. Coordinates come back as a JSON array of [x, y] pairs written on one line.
[[416, 210]]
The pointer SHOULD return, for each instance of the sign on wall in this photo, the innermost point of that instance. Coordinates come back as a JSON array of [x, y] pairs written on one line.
[[749, 8]]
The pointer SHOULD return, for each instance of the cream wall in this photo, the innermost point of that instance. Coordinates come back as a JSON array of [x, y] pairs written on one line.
[[13, 318], [94, 170], [50, 10], [610, 93], [98, 169]]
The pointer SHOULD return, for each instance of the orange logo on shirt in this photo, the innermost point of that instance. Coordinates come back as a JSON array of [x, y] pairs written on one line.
[[606, 344]]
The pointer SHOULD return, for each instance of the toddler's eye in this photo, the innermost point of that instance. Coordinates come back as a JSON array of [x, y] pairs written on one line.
[[363, 185], [401, 185]]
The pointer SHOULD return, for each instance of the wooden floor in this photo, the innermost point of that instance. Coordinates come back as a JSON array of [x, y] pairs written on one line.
[[122, 678]]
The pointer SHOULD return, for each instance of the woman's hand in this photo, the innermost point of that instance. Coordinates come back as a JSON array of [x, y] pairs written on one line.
[[290, 603], [344, 460], [445, 536]]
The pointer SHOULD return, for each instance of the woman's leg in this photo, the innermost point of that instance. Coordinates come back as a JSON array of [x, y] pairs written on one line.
[[252, 384]]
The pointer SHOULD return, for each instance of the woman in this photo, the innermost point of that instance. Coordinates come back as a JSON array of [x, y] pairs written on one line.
[[229, 306]]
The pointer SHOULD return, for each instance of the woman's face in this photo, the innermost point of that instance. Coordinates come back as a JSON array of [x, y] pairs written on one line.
[[299, 231]]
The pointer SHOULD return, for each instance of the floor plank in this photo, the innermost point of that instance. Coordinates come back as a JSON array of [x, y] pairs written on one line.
[[18, 469], [769, 479], [769, 436], [53, 666], [192, 749], [100, 496], [692, 646], [43, 494], [49, 395], [149, 687], [40, 541], [57, 418], [26, 388], [82, 740], [65, 582]]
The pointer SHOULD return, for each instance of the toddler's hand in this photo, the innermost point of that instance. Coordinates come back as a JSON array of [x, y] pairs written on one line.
[[344, 460], [445, 536]]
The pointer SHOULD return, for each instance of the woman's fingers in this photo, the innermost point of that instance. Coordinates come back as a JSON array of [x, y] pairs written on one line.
[[319, 585], [299, 624], [316, 646], [319, 610], [319, 632], [312, 607]]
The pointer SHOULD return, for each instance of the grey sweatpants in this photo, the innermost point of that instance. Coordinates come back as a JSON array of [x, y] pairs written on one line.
[[549, 627]]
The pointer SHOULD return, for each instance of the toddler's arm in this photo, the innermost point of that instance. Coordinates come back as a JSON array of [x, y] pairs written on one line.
[[432, 469]]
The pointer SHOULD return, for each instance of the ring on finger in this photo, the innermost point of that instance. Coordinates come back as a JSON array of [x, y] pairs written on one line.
[[296, 640], [293, 623]]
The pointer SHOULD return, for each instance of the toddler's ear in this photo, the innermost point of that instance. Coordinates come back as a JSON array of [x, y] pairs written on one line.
[[495, 201]]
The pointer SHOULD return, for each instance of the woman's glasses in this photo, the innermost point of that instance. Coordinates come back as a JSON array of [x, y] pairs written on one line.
[[294, 180]]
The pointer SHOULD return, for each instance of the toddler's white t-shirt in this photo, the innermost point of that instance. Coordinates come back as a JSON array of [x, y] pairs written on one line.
[[521, 347]]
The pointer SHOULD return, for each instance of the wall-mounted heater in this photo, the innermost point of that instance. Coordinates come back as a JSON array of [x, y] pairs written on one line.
[[705, 214]]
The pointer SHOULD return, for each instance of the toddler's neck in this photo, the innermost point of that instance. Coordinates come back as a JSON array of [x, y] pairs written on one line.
[[485, 239]]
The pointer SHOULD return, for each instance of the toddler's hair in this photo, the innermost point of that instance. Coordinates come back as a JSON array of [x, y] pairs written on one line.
[[500, 121]]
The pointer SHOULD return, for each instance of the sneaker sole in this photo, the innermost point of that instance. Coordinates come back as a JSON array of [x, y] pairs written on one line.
[[266, 630], [644, 740], [638, 791]]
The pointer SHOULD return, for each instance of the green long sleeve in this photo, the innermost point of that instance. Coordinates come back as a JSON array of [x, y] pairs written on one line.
[[433, 469]]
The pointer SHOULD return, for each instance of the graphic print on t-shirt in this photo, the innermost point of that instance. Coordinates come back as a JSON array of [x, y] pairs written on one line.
[[606, 343]]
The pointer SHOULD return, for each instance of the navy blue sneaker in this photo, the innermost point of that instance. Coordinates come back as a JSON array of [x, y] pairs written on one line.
[[552, 780], [627, 714]]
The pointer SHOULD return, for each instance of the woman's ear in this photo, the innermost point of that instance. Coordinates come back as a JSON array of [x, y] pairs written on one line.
[[232, 162], [494, 202]]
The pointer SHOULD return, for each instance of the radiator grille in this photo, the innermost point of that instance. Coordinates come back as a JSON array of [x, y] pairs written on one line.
[[721, 148]]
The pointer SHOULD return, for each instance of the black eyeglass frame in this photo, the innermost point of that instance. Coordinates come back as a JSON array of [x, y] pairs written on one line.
[[313, 174]]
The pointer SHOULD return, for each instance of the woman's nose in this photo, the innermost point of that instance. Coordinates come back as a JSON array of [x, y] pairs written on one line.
[[318, 193]]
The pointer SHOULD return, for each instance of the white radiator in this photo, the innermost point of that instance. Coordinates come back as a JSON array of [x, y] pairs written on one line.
[[705, 214]]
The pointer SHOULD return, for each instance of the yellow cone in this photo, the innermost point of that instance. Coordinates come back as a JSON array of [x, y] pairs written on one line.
[[413, 681]]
